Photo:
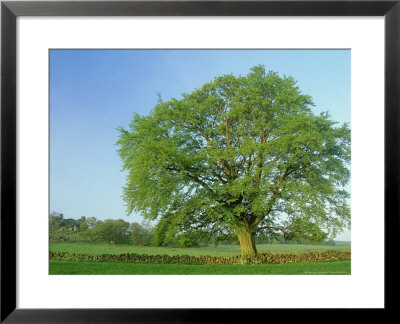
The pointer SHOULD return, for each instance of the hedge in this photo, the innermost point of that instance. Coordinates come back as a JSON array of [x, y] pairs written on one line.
[[265, 257]]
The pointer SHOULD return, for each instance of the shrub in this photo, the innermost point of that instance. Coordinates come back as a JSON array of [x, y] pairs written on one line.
[[265, 257]]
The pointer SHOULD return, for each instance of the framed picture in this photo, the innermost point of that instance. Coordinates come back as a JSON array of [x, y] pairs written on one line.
[[80, 58]]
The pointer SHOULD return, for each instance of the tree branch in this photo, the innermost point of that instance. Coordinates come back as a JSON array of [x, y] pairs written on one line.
[[220, 161], [274, 195], [281, 228], [194, 178]]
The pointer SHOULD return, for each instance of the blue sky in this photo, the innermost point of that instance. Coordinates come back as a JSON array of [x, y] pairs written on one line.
[[92, 92]]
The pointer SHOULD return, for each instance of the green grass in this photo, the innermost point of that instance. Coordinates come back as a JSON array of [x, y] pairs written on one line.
[[85, 267], [223, 250], [341, 267]]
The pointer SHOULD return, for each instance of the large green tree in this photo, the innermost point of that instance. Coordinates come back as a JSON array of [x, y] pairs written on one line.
[[237, 156]]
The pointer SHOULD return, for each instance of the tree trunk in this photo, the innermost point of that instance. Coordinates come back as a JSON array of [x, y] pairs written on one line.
[[247, 242]]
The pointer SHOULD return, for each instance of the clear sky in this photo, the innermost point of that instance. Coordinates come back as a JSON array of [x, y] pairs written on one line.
[[92, 92]]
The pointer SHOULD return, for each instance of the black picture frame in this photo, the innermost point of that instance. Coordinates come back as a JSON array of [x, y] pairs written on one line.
[[10, 10]]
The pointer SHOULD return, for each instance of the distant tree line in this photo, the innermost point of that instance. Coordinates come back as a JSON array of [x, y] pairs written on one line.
[[113, 231], [118, 231]]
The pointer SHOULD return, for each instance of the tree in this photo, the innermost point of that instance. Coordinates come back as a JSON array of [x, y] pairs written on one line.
[[141, 234], [55, 220], [87, 227], [121, 231], [239, 155], [111, 231]]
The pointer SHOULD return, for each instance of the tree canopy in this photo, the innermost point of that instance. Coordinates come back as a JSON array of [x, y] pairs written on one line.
[[237, 156]]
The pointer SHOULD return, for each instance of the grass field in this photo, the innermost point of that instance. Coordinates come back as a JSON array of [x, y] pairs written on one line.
[[341, 267], [222, 250]]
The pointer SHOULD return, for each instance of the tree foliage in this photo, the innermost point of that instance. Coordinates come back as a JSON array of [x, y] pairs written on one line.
[[141, 234], [112, 231], [56, 220], [239, 155]]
